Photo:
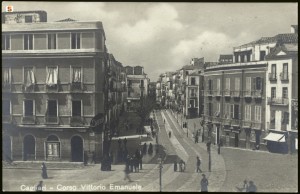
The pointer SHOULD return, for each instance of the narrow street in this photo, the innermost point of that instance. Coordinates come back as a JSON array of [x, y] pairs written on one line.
[[228, 169]]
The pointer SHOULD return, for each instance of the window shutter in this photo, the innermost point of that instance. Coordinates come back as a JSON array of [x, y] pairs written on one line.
[[254, 83]]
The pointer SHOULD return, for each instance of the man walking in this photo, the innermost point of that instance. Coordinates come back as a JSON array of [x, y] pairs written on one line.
[[204, 184], [198, 164]]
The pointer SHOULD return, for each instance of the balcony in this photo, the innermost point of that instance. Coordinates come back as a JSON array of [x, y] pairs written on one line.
[[217, 93], [6, 87], [28, 119], [247, 94], [257, 94], [256, 125], [235, 122], [284, 76], [278, 101], [76, 121], [235, 94], [6, 118], [226, 121], [247, 124], [272, 77], [51, 120], [76, 87], [53, 88], [227, 93]]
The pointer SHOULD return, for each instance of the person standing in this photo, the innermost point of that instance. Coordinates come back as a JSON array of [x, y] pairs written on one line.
[[125, 142], [175, 166], [119, 142], [198, 165], [126, 171], [204, 184], [44, 171], [251, 187], [39, 187]]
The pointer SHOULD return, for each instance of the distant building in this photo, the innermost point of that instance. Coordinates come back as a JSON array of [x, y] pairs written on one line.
[[226, 59], [137, 85]]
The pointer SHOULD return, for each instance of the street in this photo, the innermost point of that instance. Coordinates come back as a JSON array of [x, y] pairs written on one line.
[[269, 172]]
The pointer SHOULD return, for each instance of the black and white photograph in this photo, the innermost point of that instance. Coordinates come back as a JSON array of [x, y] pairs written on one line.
[[149, 96]]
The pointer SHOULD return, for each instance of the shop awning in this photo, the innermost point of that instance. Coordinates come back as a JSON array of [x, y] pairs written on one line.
[[275, 137]]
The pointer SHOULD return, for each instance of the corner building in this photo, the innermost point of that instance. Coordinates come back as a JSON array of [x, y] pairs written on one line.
[[52, 88]]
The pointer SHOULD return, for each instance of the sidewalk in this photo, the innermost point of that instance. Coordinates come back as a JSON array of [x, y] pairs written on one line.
[[51, 165], [217, 175]]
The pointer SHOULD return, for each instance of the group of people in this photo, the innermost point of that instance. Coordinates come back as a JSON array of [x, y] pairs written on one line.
[[181, 164]]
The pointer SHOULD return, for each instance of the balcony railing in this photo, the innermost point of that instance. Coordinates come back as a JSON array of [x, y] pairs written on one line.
[[256, 125], [227, 93], [284, 76], [30, 88], [6, 87], [235, 122], [28, 119], [247, 124], [76, 87], [51, 120], [76, 121], [53, 88], [247, 94], [257, 93], [6, 118], [272, 77], [217, 93], [278, 101], [235, 93]]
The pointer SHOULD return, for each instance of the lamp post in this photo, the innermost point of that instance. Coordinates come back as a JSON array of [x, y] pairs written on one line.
[[160, 171]]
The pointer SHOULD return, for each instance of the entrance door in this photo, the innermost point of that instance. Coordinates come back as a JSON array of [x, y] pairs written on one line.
[[6, 146], [236, 140], [77, 149], [29, 148]]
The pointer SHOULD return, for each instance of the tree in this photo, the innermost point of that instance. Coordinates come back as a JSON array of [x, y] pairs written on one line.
[[144, 108]]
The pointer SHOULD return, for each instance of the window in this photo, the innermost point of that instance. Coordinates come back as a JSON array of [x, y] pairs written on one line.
[[186, 72], [6, 107], [128, 94], [236, 58], [52, 108], [28, 19], [285, 71], [273, 71], [28, 41], [142, 84], [193, 81], [193, 93], [5, 42], [76, 108], [28, 107], [29, 78], [218, 109], [248, 56], [285, 118], [53, 146], [6, 76], [227, 110], [257, 114], [192, 103], [257, 83], [76, 77], [242, 58], [234, 112], [210, 109], [52, 76], [284, 92], [248, 83], [237, 84], [218, 84], [273, 92], [248, 113], [272, 119], [75, 40], [227, 84], [210, 84], [262, 55], [51, 41]]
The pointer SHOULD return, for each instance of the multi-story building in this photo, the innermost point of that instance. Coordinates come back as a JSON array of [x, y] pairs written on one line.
[[137, 85], [52, 88], [281, 94], [225, 59], [236, 103]]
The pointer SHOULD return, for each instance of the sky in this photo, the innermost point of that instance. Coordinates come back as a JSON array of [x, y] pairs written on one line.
[[164, 37]]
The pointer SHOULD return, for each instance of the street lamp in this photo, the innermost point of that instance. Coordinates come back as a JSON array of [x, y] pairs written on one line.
[[160, 161]]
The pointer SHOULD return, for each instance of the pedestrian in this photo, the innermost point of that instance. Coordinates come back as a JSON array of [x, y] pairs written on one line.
[[204, 184], [208, 144], [196, 138], [175, 166], [131, 163], [150, 149], [126, 171], [39, 187], [170, 134], [136, 164], [85, 159], [125, 142], [183, 166], [245, 186], [44, 171], [144, 148], [198, 165], [251, 187], [119, 142]]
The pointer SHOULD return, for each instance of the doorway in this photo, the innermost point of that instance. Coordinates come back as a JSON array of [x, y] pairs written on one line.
[[29, 148], [77, 149]]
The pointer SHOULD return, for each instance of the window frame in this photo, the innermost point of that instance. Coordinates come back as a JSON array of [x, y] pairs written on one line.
[[273, 91], [24, 107], [28, 41], [237, 83], [257, 117], [248, 83], [49, 39], [76, 40], [47, 105], [247, 112], [81, 108], [7, 38], [227, 83], [285, 93], [10, 107]]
